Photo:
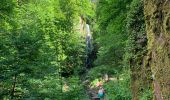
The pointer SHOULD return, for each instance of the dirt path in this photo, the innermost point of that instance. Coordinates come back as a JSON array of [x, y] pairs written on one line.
[[92, 94]]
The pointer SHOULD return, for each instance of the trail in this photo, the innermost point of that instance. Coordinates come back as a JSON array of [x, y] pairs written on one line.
[[91, 92]]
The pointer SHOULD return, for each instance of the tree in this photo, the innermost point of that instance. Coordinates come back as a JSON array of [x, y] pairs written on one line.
[[37, 46]]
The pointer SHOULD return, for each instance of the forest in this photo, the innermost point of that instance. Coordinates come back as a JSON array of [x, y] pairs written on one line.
[[72, 49]]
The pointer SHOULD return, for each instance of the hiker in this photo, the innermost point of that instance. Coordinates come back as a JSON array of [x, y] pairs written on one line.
[[99, 83], [106, 77], [101, 93]]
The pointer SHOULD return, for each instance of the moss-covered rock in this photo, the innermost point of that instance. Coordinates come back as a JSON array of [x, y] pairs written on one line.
[[140, 71], [157, 17]]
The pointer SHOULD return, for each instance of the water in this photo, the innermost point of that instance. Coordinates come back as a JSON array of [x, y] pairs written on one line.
[[89, 46]]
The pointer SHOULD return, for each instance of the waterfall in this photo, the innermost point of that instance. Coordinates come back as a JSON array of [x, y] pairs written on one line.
[[89, 46]]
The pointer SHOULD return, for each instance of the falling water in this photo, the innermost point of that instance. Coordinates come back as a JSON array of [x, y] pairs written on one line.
[[89, 46]]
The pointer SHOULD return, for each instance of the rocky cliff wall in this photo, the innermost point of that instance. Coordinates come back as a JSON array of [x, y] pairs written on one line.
[[157, 17]]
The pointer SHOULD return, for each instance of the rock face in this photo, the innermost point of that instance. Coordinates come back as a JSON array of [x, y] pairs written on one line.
[[157, 17], [141, 82]]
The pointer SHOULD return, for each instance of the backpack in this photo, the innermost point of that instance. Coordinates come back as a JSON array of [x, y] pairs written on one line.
[[101, 93]]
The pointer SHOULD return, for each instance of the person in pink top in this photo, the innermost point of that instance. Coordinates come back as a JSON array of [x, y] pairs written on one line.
[[99, 83]]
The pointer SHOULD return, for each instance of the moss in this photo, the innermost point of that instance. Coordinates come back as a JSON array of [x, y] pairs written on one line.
[[167, 25], [141, 72], [158, 44]]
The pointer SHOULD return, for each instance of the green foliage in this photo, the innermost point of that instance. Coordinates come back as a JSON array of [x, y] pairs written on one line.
[[146, 95], [136, 30], [119, 89], [76, 90], [41, 51], [121, 38], [99, 71], [6, 8], [39, 44], [111, 34], [136, 50]]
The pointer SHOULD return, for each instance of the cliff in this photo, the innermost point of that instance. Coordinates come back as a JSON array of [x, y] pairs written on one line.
[[157, 18]]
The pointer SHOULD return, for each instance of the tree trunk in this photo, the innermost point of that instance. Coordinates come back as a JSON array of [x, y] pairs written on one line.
[[157, 17]]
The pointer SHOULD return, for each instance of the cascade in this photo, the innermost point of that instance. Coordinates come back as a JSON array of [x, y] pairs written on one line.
[[89, 46]]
